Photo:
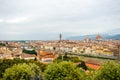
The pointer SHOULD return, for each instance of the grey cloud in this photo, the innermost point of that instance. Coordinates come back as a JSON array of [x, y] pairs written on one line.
[[45, 19]]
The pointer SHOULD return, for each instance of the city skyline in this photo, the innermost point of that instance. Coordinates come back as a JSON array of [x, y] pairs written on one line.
[[28, 19]]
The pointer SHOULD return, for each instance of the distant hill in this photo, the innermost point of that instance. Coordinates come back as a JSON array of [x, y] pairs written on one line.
[[104, 36], [115, 36], [114, 31]]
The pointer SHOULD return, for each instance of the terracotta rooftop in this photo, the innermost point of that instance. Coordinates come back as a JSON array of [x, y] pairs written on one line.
[[44, 54], [93, 66]]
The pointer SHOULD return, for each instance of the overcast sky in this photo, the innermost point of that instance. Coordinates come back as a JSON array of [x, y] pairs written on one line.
[[46, 19]]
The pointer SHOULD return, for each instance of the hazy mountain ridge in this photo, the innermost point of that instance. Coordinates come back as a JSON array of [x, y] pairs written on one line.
[[110, 34], [104, 36]]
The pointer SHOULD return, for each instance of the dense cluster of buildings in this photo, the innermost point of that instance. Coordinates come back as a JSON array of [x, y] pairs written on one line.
[[47, 51]]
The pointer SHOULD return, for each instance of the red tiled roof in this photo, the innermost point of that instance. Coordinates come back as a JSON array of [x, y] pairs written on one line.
[[44, 54], [49, 56], [93, 66]]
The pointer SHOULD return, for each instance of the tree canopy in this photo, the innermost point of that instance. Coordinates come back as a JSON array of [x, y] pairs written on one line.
[[82, 65], [65, 57], [29, 51], [2, 44], [108, 71], [64, 71], [22, 72], [7, 63]]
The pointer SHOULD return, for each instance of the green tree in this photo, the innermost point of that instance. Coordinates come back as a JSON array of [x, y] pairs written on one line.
[[82, 65], [2, 44], [64, 71], [7, 63], [22, 72], [75, 59], [29, 51], [109, 71], [65, 55]]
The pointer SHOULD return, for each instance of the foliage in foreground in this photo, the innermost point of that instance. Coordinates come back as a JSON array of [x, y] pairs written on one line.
[[58, 71], [64, 71], [108, 71], [22, 72], [7, 63], [71, 59]]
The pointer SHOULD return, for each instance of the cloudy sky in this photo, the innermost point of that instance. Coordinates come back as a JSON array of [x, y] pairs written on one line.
[[46, 19]]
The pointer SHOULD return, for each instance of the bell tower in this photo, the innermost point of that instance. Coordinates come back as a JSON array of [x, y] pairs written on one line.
[[60, 37]]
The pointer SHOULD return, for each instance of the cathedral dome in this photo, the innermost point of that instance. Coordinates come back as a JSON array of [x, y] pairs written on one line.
[[98, 37]]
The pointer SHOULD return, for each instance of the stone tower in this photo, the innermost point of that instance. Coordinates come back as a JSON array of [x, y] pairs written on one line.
[[60, 37]]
